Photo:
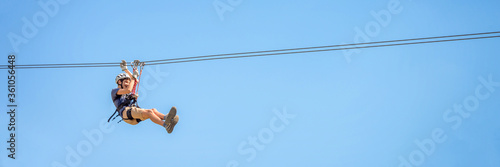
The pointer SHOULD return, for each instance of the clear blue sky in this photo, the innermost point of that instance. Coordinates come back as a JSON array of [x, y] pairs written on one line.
[[371, 108]]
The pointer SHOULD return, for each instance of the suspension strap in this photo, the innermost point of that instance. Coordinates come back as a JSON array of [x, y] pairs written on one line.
[[134, 67], [140, 74], [135, 64]]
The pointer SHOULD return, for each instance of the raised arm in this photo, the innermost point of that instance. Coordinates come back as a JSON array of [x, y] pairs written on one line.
[[134, 76], [129, 89], [123, 65]]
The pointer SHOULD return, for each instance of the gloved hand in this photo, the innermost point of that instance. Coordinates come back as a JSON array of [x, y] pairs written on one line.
[[123, 65], [136, 74]]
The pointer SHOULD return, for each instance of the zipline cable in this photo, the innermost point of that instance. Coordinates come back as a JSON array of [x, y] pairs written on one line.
[[329, 46], [269, 52], [324, 50], [255, 52]]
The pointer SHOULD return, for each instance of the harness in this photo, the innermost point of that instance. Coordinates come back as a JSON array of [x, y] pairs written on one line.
[[130, 102]]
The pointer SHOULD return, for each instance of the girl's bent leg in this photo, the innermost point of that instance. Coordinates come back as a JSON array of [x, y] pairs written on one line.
[[149, 113], [159, 114]]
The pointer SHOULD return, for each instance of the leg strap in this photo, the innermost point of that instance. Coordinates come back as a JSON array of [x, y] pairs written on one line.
[[129, 115]]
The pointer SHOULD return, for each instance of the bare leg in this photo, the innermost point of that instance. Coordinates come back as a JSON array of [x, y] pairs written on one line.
[[149, 113], [159, 114]]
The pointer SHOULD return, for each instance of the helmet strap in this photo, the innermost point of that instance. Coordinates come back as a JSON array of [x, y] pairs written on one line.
[[121, 83]]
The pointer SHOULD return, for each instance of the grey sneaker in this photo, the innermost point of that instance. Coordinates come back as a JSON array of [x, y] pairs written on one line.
[[169, 117], [170, 127]]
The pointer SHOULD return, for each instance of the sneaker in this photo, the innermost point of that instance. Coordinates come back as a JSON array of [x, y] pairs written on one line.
[[168, 118], [171, 126]]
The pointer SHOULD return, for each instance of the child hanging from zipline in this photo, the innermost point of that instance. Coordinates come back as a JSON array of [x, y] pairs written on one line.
[[124, 98]]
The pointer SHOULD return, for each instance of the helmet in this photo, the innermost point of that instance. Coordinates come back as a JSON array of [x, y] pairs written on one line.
[[121, 76]]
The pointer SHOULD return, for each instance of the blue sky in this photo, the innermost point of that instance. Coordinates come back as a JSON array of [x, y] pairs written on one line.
[[371, 108]]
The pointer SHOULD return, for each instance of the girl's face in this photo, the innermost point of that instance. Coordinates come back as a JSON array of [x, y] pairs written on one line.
[[126, 83]]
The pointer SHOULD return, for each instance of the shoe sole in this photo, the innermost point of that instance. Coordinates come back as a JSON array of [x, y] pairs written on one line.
[[170, 127], [170, 115]]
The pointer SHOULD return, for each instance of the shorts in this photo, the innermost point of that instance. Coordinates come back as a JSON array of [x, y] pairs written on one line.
[[136, 114]]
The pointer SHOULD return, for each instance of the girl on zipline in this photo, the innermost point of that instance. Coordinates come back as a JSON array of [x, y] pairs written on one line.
[[124, 98]]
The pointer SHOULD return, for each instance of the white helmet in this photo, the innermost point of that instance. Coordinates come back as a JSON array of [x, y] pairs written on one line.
[[121, 76]]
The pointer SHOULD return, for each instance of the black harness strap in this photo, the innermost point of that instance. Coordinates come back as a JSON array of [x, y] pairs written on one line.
[[116, 111], [129, 116]]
